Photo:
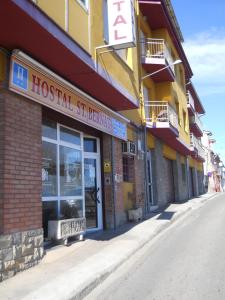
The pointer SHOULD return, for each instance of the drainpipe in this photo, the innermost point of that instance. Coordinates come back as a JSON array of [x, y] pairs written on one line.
[[188, 181], [113, 183], [146, 196]]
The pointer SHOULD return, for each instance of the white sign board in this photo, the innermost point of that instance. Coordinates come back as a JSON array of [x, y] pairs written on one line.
[[121, 24]]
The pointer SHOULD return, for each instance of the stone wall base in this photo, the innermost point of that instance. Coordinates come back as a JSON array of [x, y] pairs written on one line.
[[20, 251]]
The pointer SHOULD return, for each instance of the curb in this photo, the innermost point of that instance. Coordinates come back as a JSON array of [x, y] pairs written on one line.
[[101, 277]]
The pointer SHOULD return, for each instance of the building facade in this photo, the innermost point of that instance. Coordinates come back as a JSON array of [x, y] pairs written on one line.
[[213, 165], [87, 133], [176, 168]]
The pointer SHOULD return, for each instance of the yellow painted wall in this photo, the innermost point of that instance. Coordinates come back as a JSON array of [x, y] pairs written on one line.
[[128, 189], [195, 164], [55, 9], [169, 152], [79, 23], [150, 141], [176, 90], [125, 72], [199, 166], [192, 162], [86, 27], [78, 18], [131, 135], [163, 91]]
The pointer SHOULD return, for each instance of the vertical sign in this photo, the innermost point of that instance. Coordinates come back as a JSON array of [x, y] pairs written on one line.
[[121, 23]]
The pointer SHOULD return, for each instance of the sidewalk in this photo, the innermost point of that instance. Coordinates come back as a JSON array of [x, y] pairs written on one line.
[[71, 272]]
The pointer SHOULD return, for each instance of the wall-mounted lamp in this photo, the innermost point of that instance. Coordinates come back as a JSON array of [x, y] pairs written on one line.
[[176, 62]]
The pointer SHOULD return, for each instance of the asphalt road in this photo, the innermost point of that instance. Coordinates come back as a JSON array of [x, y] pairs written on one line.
[[185, 262]]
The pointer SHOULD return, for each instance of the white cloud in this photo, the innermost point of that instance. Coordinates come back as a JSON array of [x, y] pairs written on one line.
[[206, 54]]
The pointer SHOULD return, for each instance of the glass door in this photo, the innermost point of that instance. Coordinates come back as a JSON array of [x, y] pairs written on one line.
[[92, 184]]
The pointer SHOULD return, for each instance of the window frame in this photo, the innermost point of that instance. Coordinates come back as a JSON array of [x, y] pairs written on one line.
[[59, 143]]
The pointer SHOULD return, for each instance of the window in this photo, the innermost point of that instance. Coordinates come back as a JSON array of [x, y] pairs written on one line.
[[90, 145], [128, 169], [62, 173]]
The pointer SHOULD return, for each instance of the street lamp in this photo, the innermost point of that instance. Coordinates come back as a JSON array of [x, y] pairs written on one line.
[[176, 62]]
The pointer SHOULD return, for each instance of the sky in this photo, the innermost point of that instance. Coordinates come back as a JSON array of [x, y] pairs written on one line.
[[202, 23]]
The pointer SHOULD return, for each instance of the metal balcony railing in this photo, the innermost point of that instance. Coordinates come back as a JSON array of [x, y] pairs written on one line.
[[196, 144], [190, 100], [160, 111], [196, 120], [156, 48]]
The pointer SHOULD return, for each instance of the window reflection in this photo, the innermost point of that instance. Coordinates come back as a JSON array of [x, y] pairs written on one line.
[[71, 209], [50, 209], [90, 145], [70, 172], [49, 129], [49, 180], [69, 136]]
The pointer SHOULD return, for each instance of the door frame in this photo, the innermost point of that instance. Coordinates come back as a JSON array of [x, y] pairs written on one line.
[[97, 156]]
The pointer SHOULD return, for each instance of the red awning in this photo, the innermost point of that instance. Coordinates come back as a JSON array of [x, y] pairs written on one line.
[[24, 26]]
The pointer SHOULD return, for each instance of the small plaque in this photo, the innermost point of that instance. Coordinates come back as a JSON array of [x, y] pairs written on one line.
[[107, 166]]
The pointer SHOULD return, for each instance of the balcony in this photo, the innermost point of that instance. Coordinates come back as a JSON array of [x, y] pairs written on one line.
[[162, 119], [190, 104], [196, 125], [197, 150], [155, 55]]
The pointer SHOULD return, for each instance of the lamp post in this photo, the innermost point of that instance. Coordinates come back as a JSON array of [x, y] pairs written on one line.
[[176, 62]]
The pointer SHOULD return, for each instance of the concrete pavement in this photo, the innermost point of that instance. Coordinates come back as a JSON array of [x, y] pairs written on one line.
[[184, 262], [72, 272]]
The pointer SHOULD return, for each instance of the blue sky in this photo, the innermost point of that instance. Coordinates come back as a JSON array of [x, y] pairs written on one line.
[[202, 23]]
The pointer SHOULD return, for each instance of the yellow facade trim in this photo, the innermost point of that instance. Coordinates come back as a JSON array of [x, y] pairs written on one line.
[[191, 162], [200, 166], [169, 152], [150, 141], [182, 159], [195, 164], [130, 134]]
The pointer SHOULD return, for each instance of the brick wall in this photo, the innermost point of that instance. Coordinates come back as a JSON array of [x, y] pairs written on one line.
[[20, 158], [109, 188], [1, 160]]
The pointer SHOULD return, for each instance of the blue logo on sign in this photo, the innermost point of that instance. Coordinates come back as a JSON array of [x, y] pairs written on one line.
[[119, 129], [20, 76]]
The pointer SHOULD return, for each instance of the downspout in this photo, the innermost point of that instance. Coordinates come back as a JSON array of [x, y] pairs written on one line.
[[113, 183], [188, 181], [147, 208]]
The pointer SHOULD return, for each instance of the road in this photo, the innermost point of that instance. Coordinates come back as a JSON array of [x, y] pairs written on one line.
[[185, 262]]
